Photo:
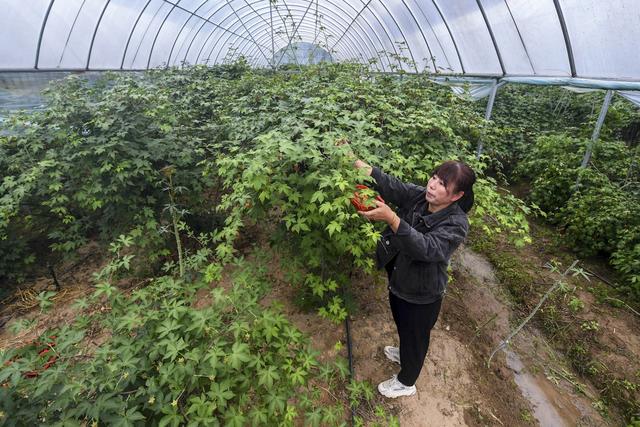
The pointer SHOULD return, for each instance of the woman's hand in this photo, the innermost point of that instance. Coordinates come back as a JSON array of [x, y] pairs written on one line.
[[358, 164], [382, 213]]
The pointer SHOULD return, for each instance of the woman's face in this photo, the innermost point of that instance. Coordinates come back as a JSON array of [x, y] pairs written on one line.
[[438, 196]]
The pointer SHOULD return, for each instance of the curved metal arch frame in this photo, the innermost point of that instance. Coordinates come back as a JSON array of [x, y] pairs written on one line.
[[133, 29], [444, 52], [567, 40], [433, 61], [367, 34], [382, 45], [337, 7], [146, 30], [190, 31], [384, 28], [524, 46], [265, 7], [73, 25], [155, 38], [247, 30], [135, 25], [211, 15], [95, 31], [359, 42], [453, 40], [356, 42], [181, 30], [415, 66], [295, 30], [44, 24], [307, 30], [493, 37], [369, 44], [305, 27], [249, 52]]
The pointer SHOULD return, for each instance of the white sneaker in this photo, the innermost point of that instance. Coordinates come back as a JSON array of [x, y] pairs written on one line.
[[392, 353], [393, 388]]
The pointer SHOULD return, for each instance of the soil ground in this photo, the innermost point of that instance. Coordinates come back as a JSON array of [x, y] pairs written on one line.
[[529, 384]]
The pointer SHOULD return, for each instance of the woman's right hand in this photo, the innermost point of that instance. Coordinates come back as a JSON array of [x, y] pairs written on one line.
[[359, 164]]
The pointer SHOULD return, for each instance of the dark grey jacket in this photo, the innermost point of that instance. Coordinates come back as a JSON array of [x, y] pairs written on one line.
[[423, 242]]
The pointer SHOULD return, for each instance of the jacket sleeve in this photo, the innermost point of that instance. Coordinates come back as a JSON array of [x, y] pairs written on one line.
[[435, 246], [393, 190]]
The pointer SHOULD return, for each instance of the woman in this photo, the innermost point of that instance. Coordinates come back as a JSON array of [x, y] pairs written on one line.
[[415, 249]]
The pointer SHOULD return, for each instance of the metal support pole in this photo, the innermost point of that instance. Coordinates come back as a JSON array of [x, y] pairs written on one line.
[[596, 131], [487, 113]]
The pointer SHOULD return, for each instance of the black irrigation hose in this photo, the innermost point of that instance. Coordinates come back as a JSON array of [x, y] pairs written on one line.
[[349, 354], [349, 347]]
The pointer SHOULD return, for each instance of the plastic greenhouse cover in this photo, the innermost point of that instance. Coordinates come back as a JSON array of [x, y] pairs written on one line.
[[631, 96], [592, 40]]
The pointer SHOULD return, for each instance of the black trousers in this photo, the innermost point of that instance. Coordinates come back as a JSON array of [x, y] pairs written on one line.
[[414, 323]]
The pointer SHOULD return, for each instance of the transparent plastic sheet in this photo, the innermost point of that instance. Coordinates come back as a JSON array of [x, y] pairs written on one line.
[[633, 96], [582, 39], [474, 89]]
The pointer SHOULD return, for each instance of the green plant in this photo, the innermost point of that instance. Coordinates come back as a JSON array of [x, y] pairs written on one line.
[[230, 362]]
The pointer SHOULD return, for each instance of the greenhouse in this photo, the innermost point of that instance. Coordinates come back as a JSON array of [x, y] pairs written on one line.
[[320, 213]]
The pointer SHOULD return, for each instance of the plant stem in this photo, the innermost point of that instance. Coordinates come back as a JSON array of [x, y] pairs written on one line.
[[174, 219], [505, 342]]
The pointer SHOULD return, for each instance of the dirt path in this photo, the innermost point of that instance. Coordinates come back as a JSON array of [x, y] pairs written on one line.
[[528, 385], [455, 387]]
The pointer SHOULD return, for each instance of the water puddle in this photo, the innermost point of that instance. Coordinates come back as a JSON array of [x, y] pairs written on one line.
[[543, 409]]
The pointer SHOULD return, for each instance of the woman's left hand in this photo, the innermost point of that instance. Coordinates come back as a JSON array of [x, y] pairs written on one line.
[[382, 212]]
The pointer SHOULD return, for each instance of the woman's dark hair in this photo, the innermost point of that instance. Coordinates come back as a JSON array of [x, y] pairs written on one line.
[[461, 177]]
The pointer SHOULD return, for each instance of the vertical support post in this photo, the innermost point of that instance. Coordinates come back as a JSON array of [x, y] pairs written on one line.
[[596, 131], [273, 51], [487, 113]]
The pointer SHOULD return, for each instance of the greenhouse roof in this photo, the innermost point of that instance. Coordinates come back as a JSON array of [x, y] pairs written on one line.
[[593, 40]]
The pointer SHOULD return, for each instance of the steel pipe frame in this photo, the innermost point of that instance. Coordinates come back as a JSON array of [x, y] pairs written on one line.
[[192, 14], [295, 30], [597, 128], [206, 20], [335, 25], [565, 34], [271, 21], [133, 28], [173, 45], [305, 29], [155, 38], [453, 40], [384, 28], [44, 24], [328, 25], [210, 34], [444, 52], [187, 37], [493, 37], [431, 58], [353, 41], [73, 25], [95, 31], [557, 5], [284, 22], [367, 33], [309, 32], [397, 26], [524, 46], [247, 30], [144, 35]]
